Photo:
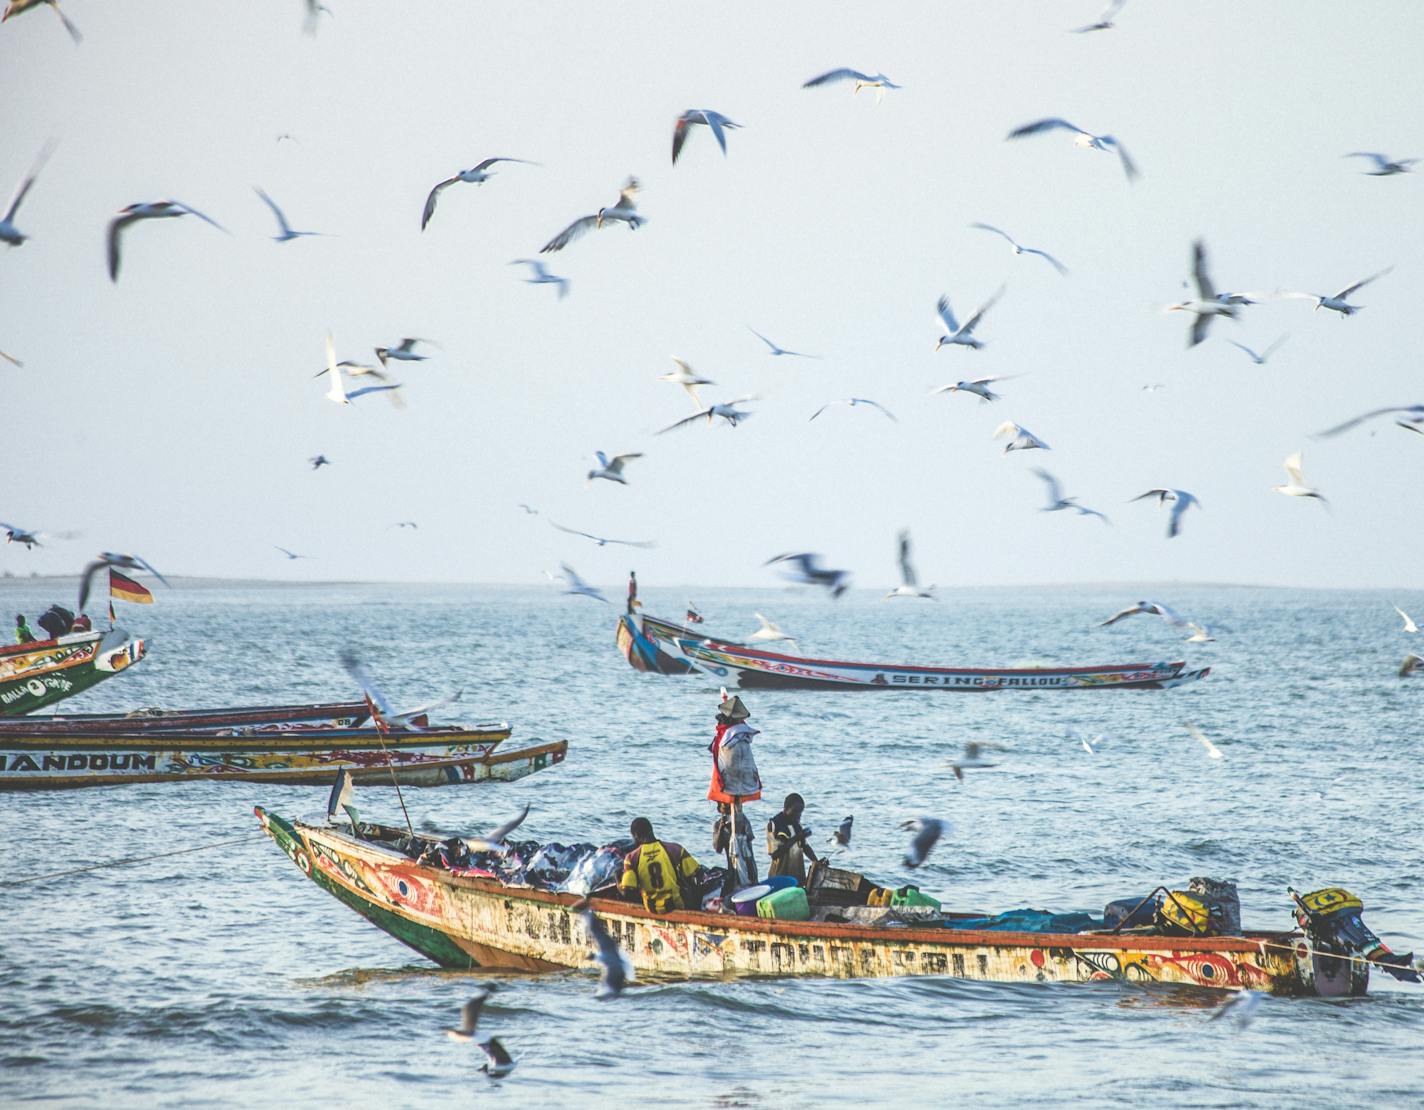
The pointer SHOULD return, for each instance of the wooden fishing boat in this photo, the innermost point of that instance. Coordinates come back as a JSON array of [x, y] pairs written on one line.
[[753, 667], [638, 640], [43, 672], [295, 754], [467, 922], [350, 714]]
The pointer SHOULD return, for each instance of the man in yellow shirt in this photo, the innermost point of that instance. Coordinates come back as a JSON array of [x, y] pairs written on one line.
[[655, 869]]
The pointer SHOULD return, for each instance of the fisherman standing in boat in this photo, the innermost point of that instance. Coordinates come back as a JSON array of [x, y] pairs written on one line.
[[633, 601], [786, 841], [735, 780], [656, 869]]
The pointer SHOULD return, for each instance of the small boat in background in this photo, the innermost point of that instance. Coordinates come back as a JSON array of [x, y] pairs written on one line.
[[348, 714], [661, 647], [43, 672]]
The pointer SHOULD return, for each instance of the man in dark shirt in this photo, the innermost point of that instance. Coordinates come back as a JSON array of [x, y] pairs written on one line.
[[786, 840]]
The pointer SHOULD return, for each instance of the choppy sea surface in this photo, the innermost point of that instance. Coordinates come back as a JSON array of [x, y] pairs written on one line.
[[225, 978]]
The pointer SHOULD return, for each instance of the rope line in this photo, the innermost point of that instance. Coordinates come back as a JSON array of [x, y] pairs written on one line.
[[127, 860]]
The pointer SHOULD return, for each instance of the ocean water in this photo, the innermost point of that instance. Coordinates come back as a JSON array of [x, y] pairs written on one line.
[[225, 978]]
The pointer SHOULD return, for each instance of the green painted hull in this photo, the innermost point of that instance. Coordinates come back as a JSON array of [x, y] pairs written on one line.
[[33, 676]]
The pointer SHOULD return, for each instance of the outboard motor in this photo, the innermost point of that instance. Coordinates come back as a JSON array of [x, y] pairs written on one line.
[[1331, 918]]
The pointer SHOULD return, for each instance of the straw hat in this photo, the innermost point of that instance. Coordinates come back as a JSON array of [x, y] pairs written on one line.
[[733, 709]]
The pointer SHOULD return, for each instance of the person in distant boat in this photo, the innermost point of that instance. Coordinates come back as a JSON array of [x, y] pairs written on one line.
[[735, 780], [633, 601], [23, 635], [82, 623], [656, 869], [786, 841]]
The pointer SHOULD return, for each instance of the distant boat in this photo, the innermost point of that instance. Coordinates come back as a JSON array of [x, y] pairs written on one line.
[[43, 672], [659, 646], [350, 714]]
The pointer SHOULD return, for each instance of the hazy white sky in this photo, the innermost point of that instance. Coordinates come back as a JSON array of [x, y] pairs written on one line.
[[173, 414]]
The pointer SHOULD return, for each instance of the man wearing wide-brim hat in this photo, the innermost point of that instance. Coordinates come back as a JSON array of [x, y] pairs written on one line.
[[735, 780]]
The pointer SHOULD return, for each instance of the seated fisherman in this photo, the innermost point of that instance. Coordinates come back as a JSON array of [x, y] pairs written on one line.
[[23, 634], [786, 840], [655, 869]]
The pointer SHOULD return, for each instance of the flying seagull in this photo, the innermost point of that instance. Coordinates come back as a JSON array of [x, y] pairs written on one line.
[[9, 233], [1413, 420], [810, 572], [615, 969], [154, 210], [909, 583], [338, 392], [319, 461], [1241, 1006], [962, 336], [1413, 664], [1409, 625], [877, 81], [542, 275], [841, 837], [1084, 140], [1150, 608], [624, 209], [403, 524], [769, 632], [971, 760], [852, 402], [776, 351], [494, 841], [1201, 738], [1259, 359], [1057, 502], [16, 7], [927, 832], [602, 541], [287, 234], [1020, 249], [1105, 21], [1180, 501], [404, 351], [112, 559], [1384, 167], [694, 117], [977, 386], [686, 377], [1339, 302], [290, 554], [32, 537], [727, 410], [529, 510], [476, 175], [12, 360], [498, 1063], [1207, 304], [612, 469], [315, 10], [1296, 487], [1020, 438]]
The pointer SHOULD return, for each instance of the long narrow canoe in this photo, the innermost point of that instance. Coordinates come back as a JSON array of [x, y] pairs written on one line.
[[753, 667], [337, 714], [43, 672], [290, 755], [465, 922]]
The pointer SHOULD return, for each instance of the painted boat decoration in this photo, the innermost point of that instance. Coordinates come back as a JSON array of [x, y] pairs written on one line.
[[638, 640], [350, 714], [752, 667], [41, 673], [466, 922], [297, 755]]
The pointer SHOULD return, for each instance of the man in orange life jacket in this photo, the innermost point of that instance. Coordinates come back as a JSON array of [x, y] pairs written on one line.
[[656, 869], [735, 780]]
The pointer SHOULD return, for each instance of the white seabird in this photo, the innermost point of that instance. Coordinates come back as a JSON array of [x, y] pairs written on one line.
[[1409, 625], [1020, 438], [624, 209], [1259, 359], [769, 631], [810, 572], [602, 541], [852, 402], [1019, 248], [1105, 21], [1084, 140], [1057, 502], [716, 121], [776, 351], [1296, 487], [1207, 304], [877, 81], [1384, 166], [1412, 421], [962, 336], [475, 175], [542, 275], [1339, 302], [727, 410], [577, 585], [16, 7], [1180, 501], [909, 582], [9, 233], [153, 210], [977, 386], [612, 469], [287, 234]]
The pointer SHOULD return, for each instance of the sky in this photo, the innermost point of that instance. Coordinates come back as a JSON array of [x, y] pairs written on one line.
[[172, 414]]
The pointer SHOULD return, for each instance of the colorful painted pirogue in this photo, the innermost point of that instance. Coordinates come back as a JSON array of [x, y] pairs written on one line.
[[466, 922], [659, 646], [342, 714], [302, 754], [43, 672]]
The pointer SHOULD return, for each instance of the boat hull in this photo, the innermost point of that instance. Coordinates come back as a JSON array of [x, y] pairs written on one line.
[[335, 714], [461, 922], [435, 760], [643, 652], [38, 674], [754, 668]]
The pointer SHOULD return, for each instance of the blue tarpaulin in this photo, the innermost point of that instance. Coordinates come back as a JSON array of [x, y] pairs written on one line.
[[1028, 921]]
